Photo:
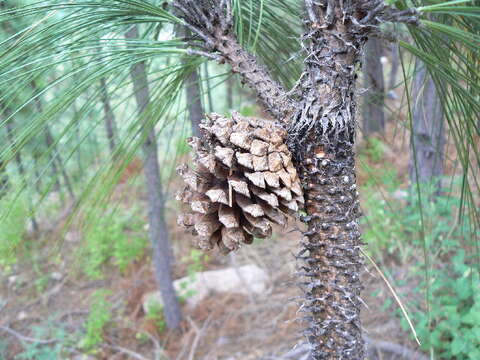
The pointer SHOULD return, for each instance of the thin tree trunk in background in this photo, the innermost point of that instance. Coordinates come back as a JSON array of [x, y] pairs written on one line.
[[21, 169], [374, 99], [428, 131], [109, 117], [78, 137], [38, 181], [209, 89], [194, 101], [194, 92], [56, 158], [230, 84], [395, 64], [4, 179], [57, 161], [158, 230]]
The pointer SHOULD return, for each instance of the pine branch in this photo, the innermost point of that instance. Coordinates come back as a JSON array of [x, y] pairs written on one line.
[[211, 23]]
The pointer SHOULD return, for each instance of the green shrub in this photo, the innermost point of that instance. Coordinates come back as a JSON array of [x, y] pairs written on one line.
[[155, 313], [58, 349], [449, 328], [100, 315], [117, 237], [13, 219], [454, 303]]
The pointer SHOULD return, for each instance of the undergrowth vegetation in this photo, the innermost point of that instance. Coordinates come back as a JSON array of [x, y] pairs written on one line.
[[12, 230], [440, 288], [117, 237]]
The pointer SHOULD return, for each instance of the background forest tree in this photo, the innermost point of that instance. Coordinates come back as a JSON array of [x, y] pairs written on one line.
[[96, 96]]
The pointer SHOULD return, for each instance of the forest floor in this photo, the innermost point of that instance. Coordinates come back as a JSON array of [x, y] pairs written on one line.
[[223, 326], [37, 313]]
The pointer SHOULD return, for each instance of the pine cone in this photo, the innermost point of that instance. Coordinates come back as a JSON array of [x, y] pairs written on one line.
[[244, 180]]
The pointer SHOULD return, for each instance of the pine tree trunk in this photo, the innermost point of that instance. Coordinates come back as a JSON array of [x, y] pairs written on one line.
[[322, 138], [428, 132], [395, 63], [194, 101], [374, 100], [194, 92], [158, 230], [56, 160], [4, 179], [108, 114], [230, 84], [320, 116], [21, 168]]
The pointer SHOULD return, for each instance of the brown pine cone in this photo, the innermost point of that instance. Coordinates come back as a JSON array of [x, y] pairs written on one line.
[[243, 181]]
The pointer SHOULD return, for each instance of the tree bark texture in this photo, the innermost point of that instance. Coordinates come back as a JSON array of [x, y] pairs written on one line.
[[374, 100], [320, 118], [158, 230], [322, 137], [428, 131]]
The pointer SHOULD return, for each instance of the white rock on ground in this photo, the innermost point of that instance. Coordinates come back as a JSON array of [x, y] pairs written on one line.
[[247, 279]]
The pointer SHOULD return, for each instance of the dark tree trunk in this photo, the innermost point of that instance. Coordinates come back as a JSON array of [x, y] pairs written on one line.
[[158, 230], [428, 131], [209, 89], [230, 84], [322, 138], [194, 93], [4, 179], [194, 101], [109, 117], [374, 100], [395, 64], [56, 160], [38, 179]]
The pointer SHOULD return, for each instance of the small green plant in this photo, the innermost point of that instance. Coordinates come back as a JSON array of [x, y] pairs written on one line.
[[100, 315], [117, 237], [13, 219], [451, 329], [374, 149], [57, 349], [195, 261], [155, 313]]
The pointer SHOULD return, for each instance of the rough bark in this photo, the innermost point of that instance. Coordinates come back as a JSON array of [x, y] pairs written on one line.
[[108, 115], [374, 100], [321, 122], [323, 137], [158, 230], [428, 131]]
